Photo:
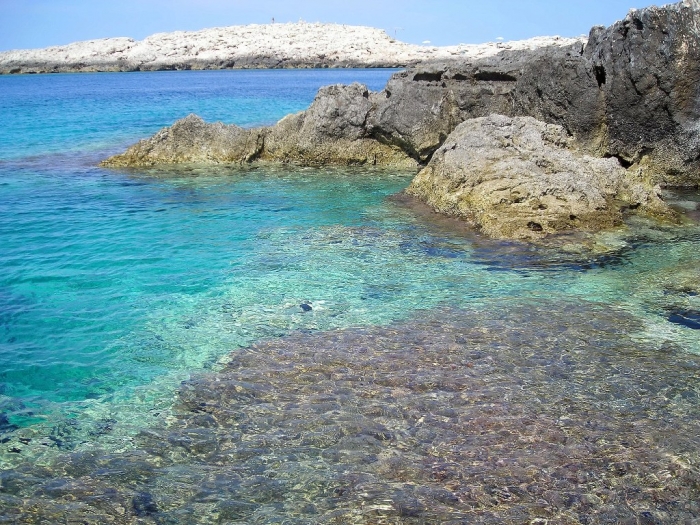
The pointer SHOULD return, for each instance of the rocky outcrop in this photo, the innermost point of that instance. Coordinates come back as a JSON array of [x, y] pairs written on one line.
[[631, 92], [519, 178], [297, 45], [647, 68], [192, 140], [630, 95], [332, 131]]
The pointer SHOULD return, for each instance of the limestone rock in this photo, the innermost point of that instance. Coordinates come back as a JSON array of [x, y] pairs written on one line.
[[627, 99], [647, 68], [293, 45], [331, 131], [630, 92], [519, 178], [419, 108], [192, 140]]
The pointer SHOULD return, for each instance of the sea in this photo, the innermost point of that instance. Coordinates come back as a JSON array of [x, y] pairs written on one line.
[[284, 344]]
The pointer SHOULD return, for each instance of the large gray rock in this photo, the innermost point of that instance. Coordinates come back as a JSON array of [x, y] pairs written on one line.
[[647, 68], [632, 92], [519, 178], [192, 140], [419, 108], [331, 131]]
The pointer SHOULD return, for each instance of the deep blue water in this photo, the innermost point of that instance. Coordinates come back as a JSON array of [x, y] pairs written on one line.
[[114, 285]]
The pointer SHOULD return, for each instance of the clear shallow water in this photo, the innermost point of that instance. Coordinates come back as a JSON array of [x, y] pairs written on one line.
[[117, 285]]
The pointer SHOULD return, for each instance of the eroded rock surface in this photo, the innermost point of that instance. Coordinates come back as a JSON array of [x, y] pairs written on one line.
[[519, 178], [628, 94], [331, 131], [631, 92], [193, 140]]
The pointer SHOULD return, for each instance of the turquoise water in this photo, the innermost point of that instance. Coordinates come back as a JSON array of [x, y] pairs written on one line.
[[117, 285], [90, 255]]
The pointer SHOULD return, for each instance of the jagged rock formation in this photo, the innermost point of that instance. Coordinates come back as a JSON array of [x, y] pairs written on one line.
[[518, 178], [298, 45], [630, 94], [192, 140], [332, 131]]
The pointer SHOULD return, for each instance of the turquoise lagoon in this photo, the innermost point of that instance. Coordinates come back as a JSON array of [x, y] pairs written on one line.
[[117, 285]]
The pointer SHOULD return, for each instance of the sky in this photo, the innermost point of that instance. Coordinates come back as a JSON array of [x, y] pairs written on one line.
[[41, 23]]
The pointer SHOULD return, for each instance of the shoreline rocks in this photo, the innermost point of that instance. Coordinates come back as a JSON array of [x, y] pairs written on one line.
[[623, 110], [518, 178], [331, 131], [265, 46]]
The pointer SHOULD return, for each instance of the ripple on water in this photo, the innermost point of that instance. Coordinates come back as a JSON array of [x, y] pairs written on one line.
[[515, 412]]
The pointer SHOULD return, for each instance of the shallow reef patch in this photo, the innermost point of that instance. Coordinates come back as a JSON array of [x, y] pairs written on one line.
[[507, 412]]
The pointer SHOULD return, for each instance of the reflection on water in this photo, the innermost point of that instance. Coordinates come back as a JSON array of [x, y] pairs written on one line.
[[511, 412]]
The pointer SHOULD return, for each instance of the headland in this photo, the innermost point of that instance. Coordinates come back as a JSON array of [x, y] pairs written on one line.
[[265, 46]]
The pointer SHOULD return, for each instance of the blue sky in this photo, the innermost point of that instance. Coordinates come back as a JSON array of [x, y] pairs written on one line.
[[40, 23]]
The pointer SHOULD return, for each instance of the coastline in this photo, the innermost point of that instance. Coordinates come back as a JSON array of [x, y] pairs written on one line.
[[298, 45], [308, 346], [600, 126]]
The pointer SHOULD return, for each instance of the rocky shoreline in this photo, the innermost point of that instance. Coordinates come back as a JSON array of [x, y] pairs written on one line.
[[266, 46], [582, 132]]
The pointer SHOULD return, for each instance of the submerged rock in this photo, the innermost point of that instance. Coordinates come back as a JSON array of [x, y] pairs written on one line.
[[688, 319], [5, 424], [144, 504], [510, 411], [519, 178]]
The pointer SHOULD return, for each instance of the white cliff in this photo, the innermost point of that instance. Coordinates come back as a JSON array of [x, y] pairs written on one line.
[[293, 45]]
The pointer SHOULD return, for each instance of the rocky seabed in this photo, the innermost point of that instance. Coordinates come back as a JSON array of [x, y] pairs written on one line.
[[507, 413]]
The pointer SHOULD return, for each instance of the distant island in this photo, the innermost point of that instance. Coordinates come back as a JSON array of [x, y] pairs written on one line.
[[268, 46]]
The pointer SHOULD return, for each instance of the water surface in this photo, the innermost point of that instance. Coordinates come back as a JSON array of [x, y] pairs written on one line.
[[117, 286]]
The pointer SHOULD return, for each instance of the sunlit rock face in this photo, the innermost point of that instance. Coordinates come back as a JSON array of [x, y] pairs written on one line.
[[630, 92], [331, 132], [626, 100], [519, 178], [259, 46]]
